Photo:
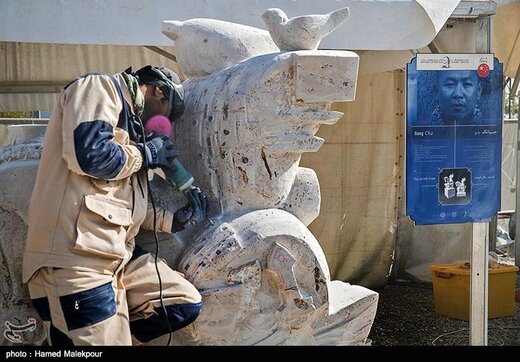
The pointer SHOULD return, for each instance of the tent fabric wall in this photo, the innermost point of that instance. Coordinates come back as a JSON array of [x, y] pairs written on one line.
[[509, 147], [33, 66], [506, 36], [358, 169], [419, 246]]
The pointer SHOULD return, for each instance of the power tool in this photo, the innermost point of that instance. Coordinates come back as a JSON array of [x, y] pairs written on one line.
[[177, 174]]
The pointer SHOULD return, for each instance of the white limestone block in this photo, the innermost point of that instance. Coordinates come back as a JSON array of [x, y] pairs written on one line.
[[244, 128], [204, 46], [326, 76]]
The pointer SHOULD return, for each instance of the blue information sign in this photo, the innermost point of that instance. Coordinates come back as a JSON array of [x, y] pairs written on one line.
[[453, 138]]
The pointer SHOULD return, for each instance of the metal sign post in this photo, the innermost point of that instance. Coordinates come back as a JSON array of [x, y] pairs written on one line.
[[478, 319]]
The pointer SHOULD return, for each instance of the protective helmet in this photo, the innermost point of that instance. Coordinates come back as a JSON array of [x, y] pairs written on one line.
[[169, 83]]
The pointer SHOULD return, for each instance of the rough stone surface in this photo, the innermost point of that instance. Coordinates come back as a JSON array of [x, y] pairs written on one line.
[[22, 133], [264, 280], [204, 46], [244, 129], [18, 165]]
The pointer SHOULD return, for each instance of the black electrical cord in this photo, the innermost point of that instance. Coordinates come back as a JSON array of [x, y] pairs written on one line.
[[156, 239]]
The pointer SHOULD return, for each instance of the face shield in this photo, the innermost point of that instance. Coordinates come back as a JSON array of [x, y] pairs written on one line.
[[169, 83]]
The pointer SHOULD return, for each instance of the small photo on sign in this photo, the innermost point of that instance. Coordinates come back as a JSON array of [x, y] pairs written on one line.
[[454, 186]]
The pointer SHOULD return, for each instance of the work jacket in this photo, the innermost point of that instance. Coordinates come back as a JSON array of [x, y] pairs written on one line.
[[90, 197]]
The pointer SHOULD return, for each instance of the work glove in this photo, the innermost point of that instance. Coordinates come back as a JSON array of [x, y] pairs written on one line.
[[159, 151], [196, 210]]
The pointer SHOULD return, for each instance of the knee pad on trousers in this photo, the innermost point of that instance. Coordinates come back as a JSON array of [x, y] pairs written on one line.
[[179, 316], [56, 338], [89, 307]]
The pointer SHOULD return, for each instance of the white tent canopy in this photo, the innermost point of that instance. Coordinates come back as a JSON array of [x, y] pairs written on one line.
[[374, 25]]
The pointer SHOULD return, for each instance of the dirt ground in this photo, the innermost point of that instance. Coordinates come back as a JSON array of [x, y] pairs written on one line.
[[406, 317]]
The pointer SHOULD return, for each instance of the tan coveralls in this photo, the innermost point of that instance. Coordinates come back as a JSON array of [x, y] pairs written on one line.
[[88, 203]]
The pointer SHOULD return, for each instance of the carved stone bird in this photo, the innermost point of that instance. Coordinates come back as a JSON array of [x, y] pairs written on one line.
[[302, 32]]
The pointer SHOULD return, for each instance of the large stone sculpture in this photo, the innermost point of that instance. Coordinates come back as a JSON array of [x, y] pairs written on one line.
[[249, 117], [262, 274]]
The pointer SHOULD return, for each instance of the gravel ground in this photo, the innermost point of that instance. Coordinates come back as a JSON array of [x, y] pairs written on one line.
[[406, 317]]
